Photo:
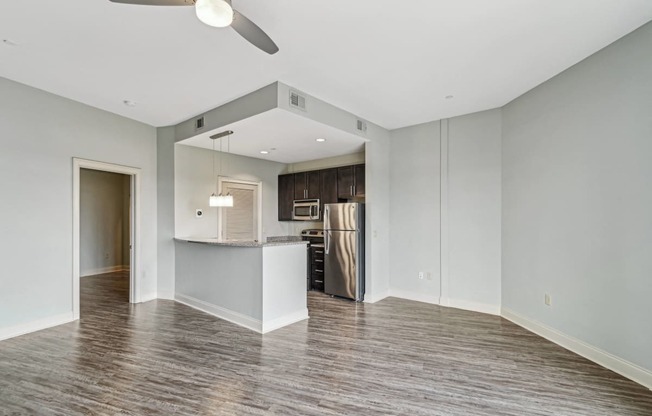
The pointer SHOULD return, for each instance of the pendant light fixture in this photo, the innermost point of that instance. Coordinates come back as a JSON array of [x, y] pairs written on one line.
[[219, 200]]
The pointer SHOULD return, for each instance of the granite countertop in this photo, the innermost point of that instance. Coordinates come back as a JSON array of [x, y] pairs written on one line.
[[275, 241]]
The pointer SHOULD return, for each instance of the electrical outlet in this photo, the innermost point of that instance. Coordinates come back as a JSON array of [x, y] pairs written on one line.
[[547, 300], [422, 275], [106, 256]]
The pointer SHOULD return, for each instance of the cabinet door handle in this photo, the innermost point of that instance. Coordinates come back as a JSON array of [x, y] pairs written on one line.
[[320, 271], [319, 261], [319, 252], [351, 190], [319, 281]]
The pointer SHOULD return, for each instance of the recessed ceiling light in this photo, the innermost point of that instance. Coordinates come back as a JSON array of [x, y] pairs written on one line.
[[321, 140], [129, 103], [264, 152], [9, 42], [448, 97]]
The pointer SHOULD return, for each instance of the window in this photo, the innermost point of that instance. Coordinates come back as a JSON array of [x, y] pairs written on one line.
[[241, 222]]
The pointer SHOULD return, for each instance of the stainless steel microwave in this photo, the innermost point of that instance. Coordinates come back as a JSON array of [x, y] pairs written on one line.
[[306, 210]]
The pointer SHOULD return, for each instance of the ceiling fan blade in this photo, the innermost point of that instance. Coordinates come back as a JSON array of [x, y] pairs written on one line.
[[157, 2], [255, 35]]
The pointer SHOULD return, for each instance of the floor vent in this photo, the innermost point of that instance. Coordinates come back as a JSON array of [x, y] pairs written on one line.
[[297, 101], [361, 126]]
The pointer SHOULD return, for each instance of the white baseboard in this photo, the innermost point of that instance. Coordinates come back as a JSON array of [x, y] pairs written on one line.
[[373, 298], [222, 313], [416, 296], [103, 270], [471, 306], [33, 326], [285, 320], [605, 359]]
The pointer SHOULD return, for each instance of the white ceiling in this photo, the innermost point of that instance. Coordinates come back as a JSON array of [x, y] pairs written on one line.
[[293, 138], [390, 62]]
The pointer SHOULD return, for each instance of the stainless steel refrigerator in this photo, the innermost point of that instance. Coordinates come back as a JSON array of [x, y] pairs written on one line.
[[344, 250]]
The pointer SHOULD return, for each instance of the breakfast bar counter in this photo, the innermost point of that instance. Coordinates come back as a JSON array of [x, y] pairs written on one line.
[[260, 286]]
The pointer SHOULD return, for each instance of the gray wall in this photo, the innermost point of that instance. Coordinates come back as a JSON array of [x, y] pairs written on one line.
[[415, 211], [473, 211], [194, 183], [445, 211], [165, 211], [104, 222], [577, 200], [40, 133]]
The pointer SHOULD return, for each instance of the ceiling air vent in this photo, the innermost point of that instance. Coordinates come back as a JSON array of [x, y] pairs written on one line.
[[199, 123], [361, 126], [297, 101]]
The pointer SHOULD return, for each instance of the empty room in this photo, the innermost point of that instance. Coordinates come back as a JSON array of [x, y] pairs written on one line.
[[282, 207]]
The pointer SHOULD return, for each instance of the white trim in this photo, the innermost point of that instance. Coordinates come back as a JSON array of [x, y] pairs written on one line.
[[468, 305], [103, 270], [371, 298], [33, 326], [415, 296], [148, 297], [222, 313], [603, 358], [135, 237], [285, 320]]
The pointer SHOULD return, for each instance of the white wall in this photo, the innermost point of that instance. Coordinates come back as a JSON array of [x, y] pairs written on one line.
[[577, 201], [194, 183], [40, 133], [104, 222]]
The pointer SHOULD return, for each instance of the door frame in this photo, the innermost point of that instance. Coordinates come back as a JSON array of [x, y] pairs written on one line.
[[134, 226], [259, 196]]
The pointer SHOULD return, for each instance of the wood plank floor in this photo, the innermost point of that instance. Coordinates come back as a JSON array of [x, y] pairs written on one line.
[[395, 357]]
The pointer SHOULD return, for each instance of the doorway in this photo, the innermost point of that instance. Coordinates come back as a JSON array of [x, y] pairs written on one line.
[[105, 228]]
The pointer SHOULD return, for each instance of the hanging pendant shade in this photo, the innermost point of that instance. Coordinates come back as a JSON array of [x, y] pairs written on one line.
[[219, 200]]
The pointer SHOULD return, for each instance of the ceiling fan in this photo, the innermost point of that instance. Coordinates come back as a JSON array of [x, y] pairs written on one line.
[[219, 13]]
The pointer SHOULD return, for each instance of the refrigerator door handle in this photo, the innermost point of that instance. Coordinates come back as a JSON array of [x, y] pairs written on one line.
[[327, 241]]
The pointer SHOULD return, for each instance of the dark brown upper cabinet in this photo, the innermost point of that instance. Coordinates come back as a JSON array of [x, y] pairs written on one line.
[[285, 197], [328, 187], [306, 185], [351, 181]]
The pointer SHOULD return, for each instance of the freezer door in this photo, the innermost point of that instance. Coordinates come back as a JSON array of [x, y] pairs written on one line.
[[340, 264], [341, 216]]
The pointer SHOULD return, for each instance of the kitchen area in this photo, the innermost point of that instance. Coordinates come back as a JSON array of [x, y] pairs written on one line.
[[268, 209]]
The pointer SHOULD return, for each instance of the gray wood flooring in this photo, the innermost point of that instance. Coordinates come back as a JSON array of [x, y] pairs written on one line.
[[395, 357]]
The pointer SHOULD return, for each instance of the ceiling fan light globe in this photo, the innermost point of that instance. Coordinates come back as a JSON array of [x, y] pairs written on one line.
[[216, 13]]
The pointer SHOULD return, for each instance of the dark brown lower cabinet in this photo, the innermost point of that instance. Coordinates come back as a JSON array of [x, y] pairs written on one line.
[[317, 268]]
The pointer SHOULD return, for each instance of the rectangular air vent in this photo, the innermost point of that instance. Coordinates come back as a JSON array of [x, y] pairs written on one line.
[[297, 101], [361, 126], [199, 123]]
